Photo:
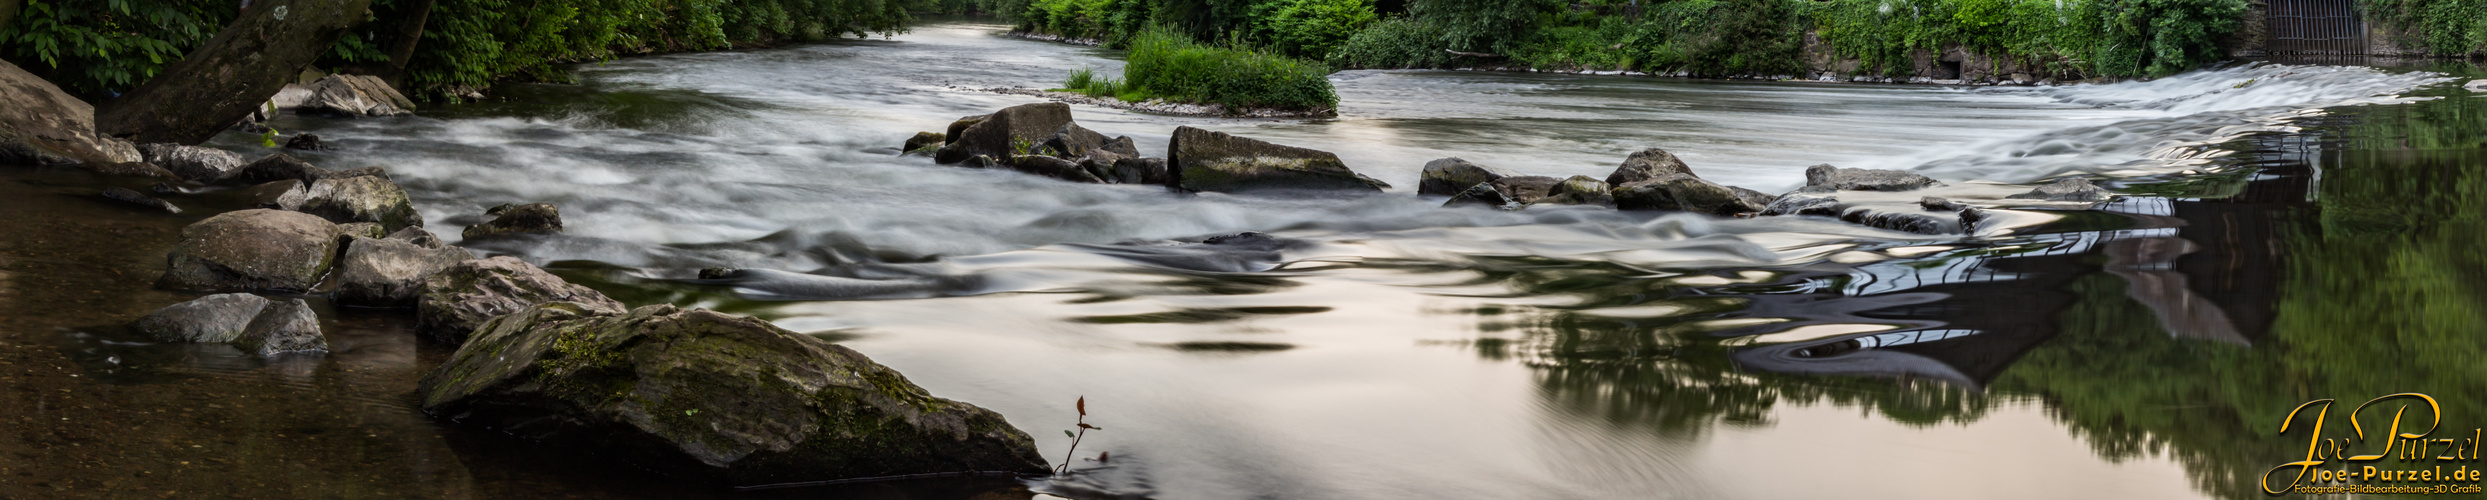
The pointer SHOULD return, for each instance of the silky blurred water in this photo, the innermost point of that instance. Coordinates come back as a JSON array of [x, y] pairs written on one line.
[[1382, 347]]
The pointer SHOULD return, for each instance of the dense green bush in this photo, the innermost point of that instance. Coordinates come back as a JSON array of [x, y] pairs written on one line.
[[97, 48], [1167, 64], [1311, 29], [1394, 43], [2091, 38], [2445, 27]]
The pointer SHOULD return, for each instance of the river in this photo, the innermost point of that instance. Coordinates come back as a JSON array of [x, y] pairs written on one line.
[[1396, 349]]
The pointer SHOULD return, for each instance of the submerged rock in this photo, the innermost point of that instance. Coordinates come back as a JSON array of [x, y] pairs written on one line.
[[1683, 192], [1801, 204], [284, 326], [1910, 222], [214, 318], [192, 163], [281, 195], [509, 219], [1508, 193], [1450, 176], [1940, 204], [1201, 160], [125, 195], [41, 124], [923, 141], [255, 249], [2067, 189], [1053, 167], [1579, 190], [306, 142], [367, 198], [457, 299], [390, 272], [708, 394], [1647, 165], [272, 168], [128, 169], [1825, 176], [1016, 130]]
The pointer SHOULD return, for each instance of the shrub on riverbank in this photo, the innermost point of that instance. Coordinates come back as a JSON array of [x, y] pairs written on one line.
[[1168, 65], [1310, 29], [2445, 27]]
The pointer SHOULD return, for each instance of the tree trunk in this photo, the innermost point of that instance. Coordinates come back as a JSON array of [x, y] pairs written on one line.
[[401, 49], [234, 73], [8, 11]]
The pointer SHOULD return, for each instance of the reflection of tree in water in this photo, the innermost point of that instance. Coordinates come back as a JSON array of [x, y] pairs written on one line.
[[2193, 344]]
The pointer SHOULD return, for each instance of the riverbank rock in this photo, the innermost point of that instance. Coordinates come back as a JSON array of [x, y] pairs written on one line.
[[285, 326], [355, 95], [925, 143], [514, 218], [1016, 130], [2067, 189], [255, 249], [465, 295], [1647, 165], [366, 198], [708, 394], [1825, 176], [1579, 190], [1450, 176], [40, 124], [390, 272], [1683, 192], [192, 163], [1074, 141], [214, 318], [272, 168], [1202, 160], [126, 195]]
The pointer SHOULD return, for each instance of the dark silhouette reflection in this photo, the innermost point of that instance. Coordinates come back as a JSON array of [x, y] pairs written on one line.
[[2183, 322]]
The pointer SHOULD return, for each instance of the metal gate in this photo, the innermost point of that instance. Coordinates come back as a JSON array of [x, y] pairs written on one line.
[[2317, 27]]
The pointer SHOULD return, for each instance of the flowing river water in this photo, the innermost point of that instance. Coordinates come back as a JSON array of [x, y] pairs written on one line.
[[1382, 346]]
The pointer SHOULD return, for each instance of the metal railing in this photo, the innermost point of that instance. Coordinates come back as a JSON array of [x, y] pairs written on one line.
[[2316, 27]]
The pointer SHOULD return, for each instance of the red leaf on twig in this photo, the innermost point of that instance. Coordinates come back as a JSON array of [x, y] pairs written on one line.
[[1083, 406]]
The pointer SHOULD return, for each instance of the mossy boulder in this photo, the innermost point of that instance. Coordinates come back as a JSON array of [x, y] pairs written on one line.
[[710, 395], [1450, 176], [1202, 160], [1073, 141], [1683, 192], [509, 219], [1016, 130], [1647, 165], [457, 299], [369, 198], [923, 140], [255, 249], [1579, 190]]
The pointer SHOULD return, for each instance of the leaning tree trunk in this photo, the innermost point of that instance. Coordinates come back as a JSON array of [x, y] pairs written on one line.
[[235, 72], [401, 49], [8, 11]]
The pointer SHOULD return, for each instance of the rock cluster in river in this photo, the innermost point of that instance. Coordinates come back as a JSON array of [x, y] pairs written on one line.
[[1042, 139]]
